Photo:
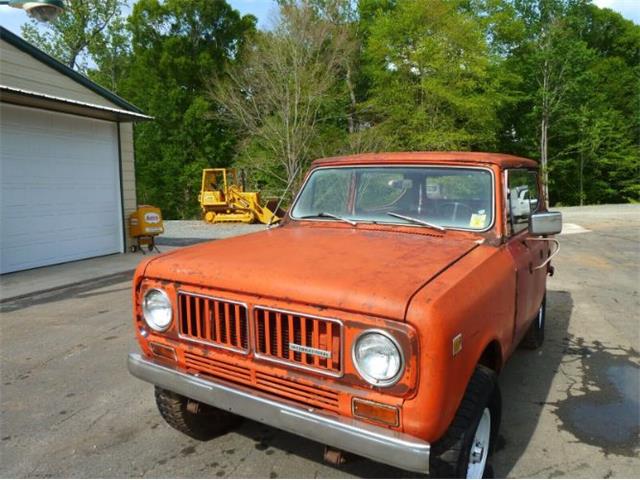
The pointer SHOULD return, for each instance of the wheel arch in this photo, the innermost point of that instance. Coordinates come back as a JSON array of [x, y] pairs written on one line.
[[491, 356]]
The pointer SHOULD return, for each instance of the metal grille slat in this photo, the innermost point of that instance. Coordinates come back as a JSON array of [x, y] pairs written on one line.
[[188, 301], [279, 333], [207, 319], [216, 309], [291, 336], [303, 337], [227, 329], [316, 340], [198, 319], [329, 361], [267, 332], [236, 313]]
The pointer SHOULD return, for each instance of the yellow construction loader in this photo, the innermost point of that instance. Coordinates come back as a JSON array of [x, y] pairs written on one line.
[[223, 199]]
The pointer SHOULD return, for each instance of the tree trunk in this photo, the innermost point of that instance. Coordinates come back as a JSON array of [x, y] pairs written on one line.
[[352, 96], [581, 176], [544, 160]]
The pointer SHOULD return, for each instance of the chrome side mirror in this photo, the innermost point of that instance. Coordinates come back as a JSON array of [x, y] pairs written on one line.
[[545, 223]]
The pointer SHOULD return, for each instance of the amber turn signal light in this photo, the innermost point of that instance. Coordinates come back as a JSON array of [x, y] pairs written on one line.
[[163, 351], [376, 412]]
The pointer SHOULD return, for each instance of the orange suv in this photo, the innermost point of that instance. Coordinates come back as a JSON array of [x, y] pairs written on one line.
[[373, 318]]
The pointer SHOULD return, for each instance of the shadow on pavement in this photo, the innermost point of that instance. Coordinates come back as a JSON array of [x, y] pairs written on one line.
[[82, 289], [180, 242], [268, 439], [525, 383]]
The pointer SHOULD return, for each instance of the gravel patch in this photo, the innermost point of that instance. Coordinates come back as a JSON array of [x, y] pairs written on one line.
[[188, 232]]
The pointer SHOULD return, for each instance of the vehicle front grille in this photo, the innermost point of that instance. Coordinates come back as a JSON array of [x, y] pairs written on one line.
[[309, 342], [303, 393], [213, 321]]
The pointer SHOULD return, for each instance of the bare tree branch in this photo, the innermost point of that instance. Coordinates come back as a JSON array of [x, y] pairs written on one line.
[[276, 95]]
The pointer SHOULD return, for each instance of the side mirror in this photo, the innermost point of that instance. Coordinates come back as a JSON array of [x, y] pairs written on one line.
[[545, 223]]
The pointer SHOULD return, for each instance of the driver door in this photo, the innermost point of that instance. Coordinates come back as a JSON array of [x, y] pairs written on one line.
[[523, 199]]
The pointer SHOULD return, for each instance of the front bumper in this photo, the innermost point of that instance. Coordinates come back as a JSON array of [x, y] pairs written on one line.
[[377, 443]]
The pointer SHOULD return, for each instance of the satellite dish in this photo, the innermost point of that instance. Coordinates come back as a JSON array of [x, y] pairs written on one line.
[[43, 11]]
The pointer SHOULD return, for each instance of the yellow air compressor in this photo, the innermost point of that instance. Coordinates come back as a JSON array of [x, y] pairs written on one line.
[[144, 225]]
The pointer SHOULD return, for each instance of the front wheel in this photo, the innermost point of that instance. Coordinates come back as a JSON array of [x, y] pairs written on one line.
[[464, 449]]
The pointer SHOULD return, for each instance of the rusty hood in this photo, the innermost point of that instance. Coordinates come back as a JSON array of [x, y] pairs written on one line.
[[364, 271]]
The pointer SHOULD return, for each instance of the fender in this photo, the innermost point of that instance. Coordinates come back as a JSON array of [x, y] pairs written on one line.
[[474, 300]]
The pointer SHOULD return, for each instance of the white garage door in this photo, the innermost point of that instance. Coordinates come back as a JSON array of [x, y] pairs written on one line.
[[60, 183]]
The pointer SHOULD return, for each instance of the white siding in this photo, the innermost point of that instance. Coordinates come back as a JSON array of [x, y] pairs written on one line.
[[20, 70]]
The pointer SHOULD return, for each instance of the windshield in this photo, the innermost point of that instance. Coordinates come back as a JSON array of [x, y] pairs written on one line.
[[448, 197]]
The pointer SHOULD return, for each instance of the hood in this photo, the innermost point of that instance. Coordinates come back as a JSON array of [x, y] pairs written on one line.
[[358, 270]]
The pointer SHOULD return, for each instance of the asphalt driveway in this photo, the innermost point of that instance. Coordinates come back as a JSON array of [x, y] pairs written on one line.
[[70, 409]]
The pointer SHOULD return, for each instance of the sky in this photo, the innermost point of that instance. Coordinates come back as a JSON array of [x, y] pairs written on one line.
[[13, 18]]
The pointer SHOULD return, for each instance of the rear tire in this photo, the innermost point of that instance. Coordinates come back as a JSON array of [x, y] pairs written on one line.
[[194, 419], [534, 338], [466, 446]]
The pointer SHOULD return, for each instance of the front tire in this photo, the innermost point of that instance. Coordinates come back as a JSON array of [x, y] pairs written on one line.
[[194, 419], [464, 449]]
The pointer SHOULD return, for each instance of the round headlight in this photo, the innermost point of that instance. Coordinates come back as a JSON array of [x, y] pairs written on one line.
[[156, 308], [377, 358]]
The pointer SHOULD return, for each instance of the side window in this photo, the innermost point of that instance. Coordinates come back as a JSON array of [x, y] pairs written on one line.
[[523, 198]]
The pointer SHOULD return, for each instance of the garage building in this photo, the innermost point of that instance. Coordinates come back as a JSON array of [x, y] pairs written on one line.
[[66, 161]]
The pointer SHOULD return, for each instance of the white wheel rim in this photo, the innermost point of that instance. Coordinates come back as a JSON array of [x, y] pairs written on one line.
[[540, 317], [480, 447]]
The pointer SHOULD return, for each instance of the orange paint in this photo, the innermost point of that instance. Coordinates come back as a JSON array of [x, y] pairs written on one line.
[[318, 285]]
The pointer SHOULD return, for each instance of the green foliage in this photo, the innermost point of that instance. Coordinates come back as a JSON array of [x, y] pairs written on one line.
[[75, 34], [176, 46], [550, 79], [111, 51], [589, 93], [430, 86]]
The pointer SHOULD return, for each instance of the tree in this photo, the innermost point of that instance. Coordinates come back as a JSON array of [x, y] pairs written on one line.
[[596, 150], [74, 34], [553, 51], [428, 66], [112, 55], [277, 98], [176, 45], [555, 80], [578, 68]]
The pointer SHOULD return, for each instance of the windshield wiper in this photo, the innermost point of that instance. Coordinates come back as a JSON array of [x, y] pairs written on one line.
[[417, 220], [330, 215]]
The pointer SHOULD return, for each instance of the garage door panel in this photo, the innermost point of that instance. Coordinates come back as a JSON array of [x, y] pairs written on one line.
[[36, 254], [51, 225], [60, 188]]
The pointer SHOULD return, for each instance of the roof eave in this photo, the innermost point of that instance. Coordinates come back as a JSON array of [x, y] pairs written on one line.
[[48, 60], [27, 98]]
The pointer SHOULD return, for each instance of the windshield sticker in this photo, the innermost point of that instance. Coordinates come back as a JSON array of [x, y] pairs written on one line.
[[477, 220]]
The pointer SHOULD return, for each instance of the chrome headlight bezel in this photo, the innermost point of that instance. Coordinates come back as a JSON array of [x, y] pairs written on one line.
[[386, 382], [147, 314]]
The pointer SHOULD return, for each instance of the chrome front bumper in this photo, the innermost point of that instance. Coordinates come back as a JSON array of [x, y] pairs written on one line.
[[377, 443]]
